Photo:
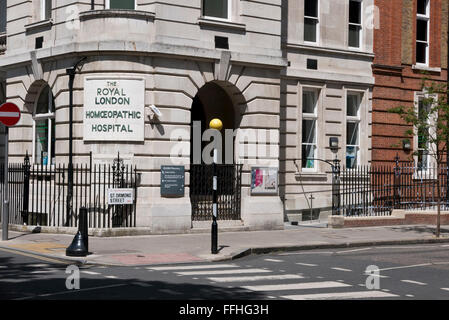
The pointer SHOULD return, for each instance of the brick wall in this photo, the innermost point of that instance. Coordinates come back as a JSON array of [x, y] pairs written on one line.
[[395, 80]]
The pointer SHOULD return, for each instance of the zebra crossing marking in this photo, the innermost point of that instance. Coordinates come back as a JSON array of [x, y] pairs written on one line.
[[273, 260], [90, 272], [216, 272], [307, 264], [297, 286], [192, 267], [256, 278], [342, 269], [341, 295], [414, 282]]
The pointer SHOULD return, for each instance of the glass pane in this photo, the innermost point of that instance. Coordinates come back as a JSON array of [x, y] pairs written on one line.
[[351, 157], [47, 9], [121, 4], [310, 29], [421, 30], [353, 104], [422, 159], [308, 131], [41, 151], [421, 49], [43, 105], [215, 8], [422, 5], [311, 8], [53, 141], [354, 36], [354, 12], [308, 154], [309, 99], [352, 133], [2, 15]]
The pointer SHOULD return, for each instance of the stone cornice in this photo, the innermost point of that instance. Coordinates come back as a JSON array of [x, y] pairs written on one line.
[[116, 13]]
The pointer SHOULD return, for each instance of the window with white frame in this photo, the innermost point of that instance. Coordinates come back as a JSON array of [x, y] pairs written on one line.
[[422, 31], [121, 4], [353, 103], [355, 23], [311, 21], [2, 16], [309, 129], [217, 9], [422, 142], [46, 7], [44, 128]]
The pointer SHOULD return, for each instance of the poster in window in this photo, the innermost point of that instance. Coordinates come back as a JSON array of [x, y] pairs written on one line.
[[264, 181]]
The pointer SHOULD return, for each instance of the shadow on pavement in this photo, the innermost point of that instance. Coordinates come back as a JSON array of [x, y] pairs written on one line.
[[28, 281]]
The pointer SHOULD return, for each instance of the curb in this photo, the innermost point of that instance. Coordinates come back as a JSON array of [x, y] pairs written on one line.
[[249, 251]]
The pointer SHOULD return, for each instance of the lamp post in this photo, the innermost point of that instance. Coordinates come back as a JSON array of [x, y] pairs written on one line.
[[71, 73], [217, 125]]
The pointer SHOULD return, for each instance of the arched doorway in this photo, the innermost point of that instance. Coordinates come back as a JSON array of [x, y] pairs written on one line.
[[214, 101]]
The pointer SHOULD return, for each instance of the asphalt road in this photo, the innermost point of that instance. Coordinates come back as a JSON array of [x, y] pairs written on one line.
[[404, 272]]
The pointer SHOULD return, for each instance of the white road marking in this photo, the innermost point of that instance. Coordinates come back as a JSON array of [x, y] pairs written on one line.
[[193, 267], [376, 275], [39, 265], [446, 289], [256, 278], [341, 295], [273, 260], [307, 264], [296, 253], [3, 267], [212, 272], [410, 295], [404, 267], [354, 250], [415, 282], [72, 291], [297, 286], [111, 277], [342, 269], [90, 272], [43, 271]]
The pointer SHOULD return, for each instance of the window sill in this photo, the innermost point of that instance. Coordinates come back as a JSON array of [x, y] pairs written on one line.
[[207, 22], [44, 24], [311, 174], [117, 13], [425, 68]]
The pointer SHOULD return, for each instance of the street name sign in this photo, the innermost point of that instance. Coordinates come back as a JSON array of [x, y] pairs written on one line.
[[120, 196]]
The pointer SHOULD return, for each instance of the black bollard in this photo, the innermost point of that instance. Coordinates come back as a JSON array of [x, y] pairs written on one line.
[[83, 226], [77, 248], [80, 243]]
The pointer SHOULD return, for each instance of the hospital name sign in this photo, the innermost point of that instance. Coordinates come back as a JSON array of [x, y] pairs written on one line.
[[114, 109]]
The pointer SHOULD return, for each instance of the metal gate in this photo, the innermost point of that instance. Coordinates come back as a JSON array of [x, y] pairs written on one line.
[[228, 189]]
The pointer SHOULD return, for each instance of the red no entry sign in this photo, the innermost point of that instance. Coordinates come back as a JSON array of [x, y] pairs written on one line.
[[9, 114]]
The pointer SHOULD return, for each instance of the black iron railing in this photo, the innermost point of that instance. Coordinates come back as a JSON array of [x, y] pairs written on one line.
[[376, 190], [38, 194], [228, 189]]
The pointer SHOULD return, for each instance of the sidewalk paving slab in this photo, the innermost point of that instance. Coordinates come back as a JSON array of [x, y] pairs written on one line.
[[195, 247]]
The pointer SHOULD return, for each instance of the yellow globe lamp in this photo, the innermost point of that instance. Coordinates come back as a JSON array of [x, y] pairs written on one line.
[[216, 124]]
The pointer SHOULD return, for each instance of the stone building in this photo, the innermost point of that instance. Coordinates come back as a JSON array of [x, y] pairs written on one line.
[[326, 91], [410, 44], [285, 75]]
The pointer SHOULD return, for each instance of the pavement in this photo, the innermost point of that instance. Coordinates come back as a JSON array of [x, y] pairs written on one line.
[[189, 248]]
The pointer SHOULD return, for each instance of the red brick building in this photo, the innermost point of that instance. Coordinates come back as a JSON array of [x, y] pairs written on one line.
[[410, 44]]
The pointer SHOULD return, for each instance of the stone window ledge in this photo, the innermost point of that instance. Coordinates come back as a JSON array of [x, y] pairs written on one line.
[[116, 13], [205, 22], [39, 25], [425, 68]]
